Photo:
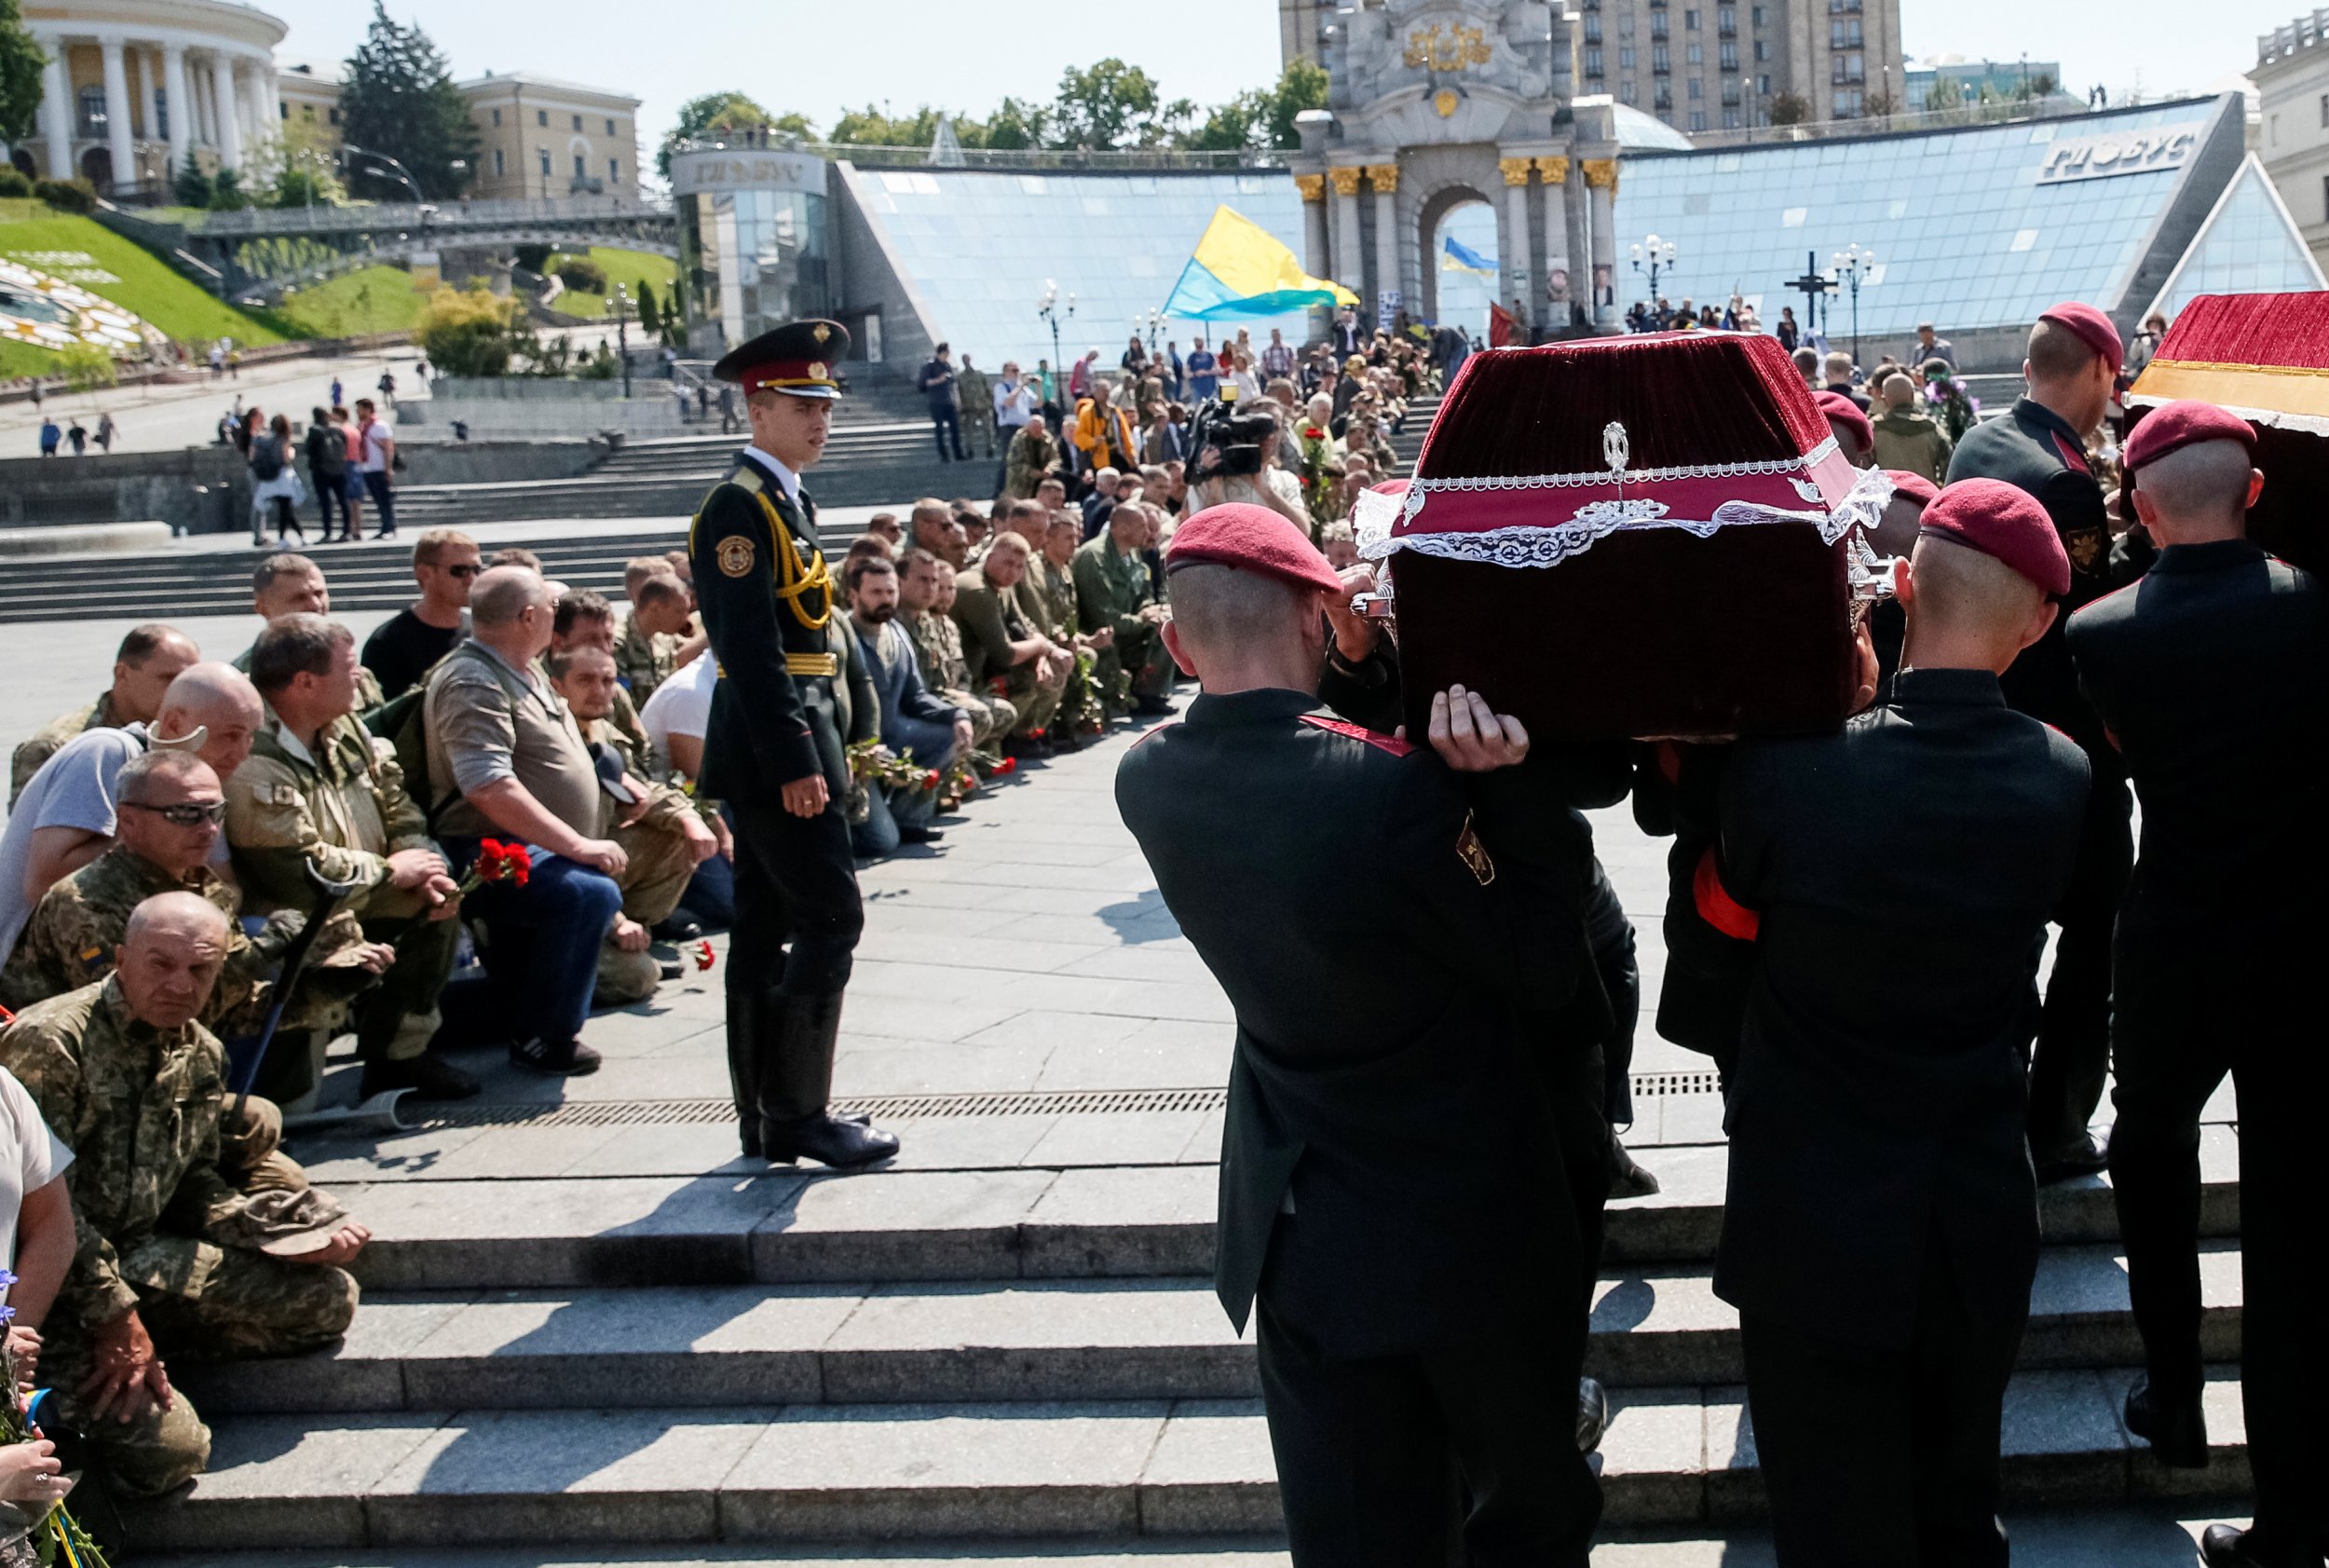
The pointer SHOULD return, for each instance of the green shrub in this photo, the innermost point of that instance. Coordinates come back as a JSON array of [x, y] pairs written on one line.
[[13, 184], [86, 367], [66, 195], [581, 272], [471, 331]]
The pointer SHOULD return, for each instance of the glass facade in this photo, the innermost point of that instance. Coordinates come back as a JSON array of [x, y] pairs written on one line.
[[2247, 246], [1966, 234], [753, 259], [977, 247]]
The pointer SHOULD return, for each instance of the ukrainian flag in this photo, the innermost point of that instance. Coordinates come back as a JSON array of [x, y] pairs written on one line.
[[1458, 257], [1240, 269]]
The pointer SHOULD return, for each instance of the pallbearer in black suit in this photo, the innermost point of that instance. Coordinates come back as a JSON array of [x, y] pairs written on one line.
[[2039, 448], [1880, 1235], [2213, 673], [774, 752], [1405, 975]]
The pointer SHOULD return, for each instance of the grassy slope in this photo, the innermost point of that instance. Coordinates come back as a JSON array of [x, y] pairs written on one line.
[[627, 267], [367, 300], [146, 283]]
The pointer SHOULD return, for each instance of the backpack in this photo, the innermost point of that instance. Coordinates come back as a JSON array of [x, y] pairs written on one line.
[[403, 721], [266, 460]]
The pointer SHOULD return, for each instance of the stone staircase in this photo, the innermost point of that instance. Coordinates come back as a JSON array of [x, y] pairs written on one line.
[[1011, 1355]]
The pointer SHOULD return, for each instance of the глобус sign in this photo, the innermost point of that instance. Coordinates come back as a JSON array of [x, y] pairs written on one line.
[[2098, 157]]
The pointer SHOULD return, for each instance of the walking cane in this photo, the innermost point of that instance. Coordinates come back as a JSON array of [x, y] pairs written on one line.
[[329, 896]]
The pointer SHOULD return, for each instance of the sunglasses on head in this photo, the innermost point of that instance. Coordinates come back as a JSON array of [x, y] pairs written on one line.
[[184, 815]]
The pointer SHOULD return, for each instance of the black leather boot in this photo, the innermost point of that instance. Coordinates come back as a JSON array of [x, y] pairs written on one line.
[[748, 1016], [2177, 1430], [796, 1084]]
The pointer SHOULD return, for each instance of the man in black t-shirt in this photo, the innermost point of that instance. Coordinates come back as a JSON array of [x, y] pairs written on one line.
[[400, 653]]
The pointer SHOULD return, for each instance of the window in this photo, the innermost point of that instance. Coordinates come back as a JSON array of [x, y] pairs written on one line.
[[1730, 94], [331, 115], [161, 114], [1663, 101], [1695, 52], [1762, 85], [610, 126], [1625, 25], [1845, 33], [1660, 62], [1697, 88], [1592, 62], [282, 112], [2324, 112], [1730, 119], [1657, 25], [1690, 21], [1726, 22], [501, 163], [1628, 93], [545, 158], [581, 170], [496, 117], [1763, 49], [92, 100], [1758, 16], [541, 116], [1729, 55], [2324, 197], [1593, 30], [1847, 103], [1697, 119], [613, 169], [1624, 57], [1847, 68]]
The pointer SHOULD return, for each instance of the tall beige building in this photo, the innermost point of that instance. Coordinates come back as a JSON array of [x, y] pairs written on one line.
[[540, 137], [2291, 137], [1697, 64]]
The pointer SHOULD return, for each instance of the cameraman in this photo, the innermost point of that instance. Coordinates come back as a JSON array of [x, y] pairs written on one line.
[[1235, 457]]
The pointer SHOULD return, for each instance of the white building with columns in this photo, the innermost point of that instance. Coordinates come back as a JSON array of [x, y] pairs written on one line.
[[134, 88]]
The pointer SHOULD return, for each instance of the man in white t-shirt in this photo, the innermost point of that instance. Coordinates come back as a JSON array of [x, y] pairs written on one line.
[[675, 716], [37, 1243], [378, 463], [66, 817]]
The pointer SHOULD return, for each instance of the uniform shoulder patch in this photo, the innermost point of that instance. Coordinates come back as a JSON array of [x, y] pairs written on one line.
[[735, 556], [1474, 854], [1391, 743]]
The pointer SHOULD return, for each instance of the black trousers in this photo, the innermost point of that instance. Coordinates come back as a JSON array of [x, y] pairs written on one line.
[[1610, 935], [2191, 1009], [1883, 1456], [2071, 1057], [1365, 1449], [797, 919]]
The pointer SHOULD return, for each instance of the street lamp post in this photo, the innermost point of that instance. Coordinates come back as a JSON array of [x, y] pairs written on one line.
[[1047, 306], [621, 305], [1852, 268], [1658, 255], [1152, 323], [387, 166]]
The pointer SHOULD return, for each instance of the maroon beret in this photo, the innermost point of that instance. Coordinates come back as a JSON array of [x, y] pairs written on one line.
[[2173, 426], [1998, 520], [1913, 487], [2092, 327], [1843, 410], [1252, 539]]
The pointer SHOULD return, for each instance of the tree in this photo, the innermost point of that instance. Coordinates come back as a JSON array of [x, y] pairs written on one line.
[[192, 187], [1264, 118], [1944, 94], [1113, 104], [714, 111], [21, 62], [400, 100], [1303, 85], [471, 331], [1881, 105], [1014, 125], [1788, 108], [650, 318]]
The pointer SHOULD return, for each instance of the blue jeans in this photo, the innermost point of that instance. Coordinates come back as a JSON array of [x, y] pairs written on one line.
[[383, 498], [711, 895], [542, 940], [945, 424]]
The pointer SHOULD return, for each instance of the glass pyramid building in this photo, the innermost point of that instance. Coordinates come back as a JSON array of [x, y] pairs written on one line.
[[2250, 244]]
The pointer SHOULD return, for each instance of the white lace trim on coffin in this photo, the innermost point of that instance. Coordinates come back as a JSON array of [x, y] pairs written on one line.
[[1534, 546]]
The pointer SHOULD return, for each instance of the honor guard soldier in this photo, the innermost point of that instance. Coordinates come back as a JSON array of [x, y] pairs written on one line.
[[2213, 673], [774, 752], [2040, 449], [1880, 1230], [1403, 975]]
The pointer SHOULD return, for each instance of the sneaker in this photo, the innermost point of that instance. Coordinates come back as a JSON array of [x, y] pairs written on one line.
[[567, 1059], [429, 1076]]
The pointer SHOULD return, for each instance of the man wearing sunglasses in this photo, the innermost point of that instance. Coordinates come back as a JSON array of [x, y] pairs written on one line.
[[445, 562]]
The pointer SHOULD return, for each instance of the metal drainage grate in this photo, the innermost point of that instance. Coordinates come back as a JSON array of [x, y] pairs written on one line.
[[898, 1108]]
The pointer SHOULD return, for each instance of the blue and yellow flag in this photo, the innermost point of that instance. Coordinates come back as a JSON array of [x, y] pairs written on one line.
[[1241, 269], [1457, 257]]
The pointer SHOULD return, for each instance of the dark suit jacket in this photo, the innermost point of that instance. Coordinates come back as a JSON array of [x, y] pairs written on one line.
[[1898, 876], [1400, 978]]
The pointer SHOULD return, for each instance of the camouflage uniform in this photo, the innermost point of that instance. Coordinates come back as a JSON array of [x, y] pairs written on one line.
[[938, 645], [643, 660], [988, 618], [140, 1109], [345, 809], [49, 739], [1112, 588], [1048, 592], [662, 862], [69, 943]]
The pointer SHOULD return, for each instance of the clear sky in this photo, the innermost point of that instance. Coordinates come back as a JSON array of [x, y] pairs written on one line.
[[821, 57]]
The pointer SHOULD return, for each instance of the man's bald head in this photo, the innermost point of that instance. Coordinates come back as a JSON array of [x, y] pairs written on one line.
[[218, 700], [170, 957], [2196, 493], [501, 595], [1898, 391]]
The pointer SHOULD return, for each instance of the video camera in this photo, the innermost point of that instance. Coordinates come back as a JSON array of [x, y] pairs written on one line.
[[1228, 444]]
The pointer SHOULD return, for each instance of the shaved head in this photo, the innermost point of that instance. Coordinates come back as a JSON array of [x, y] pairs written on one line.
[[1964, 593], [1219, 609], [170, 957], [166, 915], [217, 701], [2205, 484]]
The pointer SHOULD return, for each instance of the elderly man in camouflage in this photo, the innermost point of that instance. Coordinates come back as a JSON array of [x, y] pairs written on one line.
[[1113, 591], [149, 659], [170, 806], [168, 1256], [661, 831], [320, 790], [925, 595]]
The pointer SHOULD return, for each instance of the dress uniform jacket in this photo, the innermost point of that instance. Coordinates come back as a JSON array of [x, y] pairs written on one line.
[[767, 599], [1898, 877], [1393, 1032]]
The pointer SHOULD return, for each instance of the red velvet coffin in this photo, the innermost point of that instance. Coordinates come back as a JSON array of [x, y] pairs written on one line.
[[2266, 358], [1635, 535]]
